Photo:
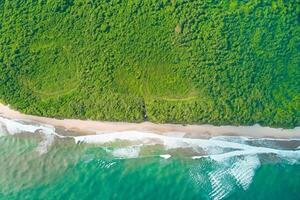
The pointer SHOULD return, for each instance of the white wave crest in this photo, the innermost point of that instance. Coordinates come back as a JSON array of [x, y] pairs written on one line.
[[236, 139], [243, 170], [219, 188], [232, 173], [217, 148], [209, 145], [105, 164], [127, 152], [13, 127], [165, 156]]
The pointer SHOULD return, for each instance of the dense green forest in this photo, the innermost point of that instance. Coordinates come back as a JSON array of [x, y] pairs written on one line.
[[189, 61]]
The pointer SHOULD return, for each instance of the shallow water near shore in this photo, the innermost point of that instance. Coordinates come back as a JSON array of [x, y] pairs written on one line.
[[38, 163]]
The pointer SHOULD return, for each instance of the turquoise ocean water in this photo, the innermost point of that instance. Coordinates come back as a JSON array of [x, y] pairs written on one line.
[[37, 163]]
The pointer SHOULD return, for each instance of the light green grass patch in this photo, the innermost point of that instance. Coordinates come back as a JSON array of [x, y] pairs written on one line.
[[56, 70], [156, 81]]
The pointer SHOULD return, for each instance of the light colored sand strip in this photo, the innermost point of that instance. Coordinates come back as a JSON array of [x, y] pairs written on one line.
[[193, 131]]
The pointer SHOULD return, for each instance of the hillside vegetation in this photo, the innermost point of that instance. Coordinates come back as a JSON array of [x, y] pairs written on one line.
[[193, 61]]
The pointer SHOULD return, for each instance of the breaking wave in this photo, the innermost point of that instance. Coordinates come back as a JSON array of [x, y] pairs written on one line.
[[127, 152], [14, 127], [217, 149], [235, 172], [235, 158]]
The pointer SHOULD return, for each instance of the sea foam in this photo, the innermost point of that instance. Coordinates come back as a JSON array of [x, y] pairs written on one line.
[[232, 173], [219, 188], [165, 156], [14, 127], [215, 148], [209, 145], [126, 152], [243, 170], [236, 157]]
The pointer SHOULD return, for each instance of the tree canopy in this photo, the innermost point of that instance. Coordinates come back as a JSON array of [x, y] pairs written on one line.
[[189, 61]]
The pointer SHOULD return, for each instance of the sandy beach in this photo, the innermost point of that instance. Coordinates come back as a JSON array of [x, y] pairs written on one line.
[[88, 127]]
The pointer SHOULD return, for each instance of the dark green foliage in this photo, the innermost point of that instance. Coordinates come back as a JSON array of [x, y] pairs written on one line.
[[218, 62]]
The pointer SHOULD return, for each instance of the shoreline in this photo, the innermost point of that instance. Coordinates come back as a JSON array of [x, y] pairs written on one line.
[[88, 127]]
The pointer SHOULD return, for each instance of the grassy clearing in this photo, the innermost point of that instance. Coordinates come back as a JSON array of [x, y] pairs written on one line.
[[155, 81], [56, 71]]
